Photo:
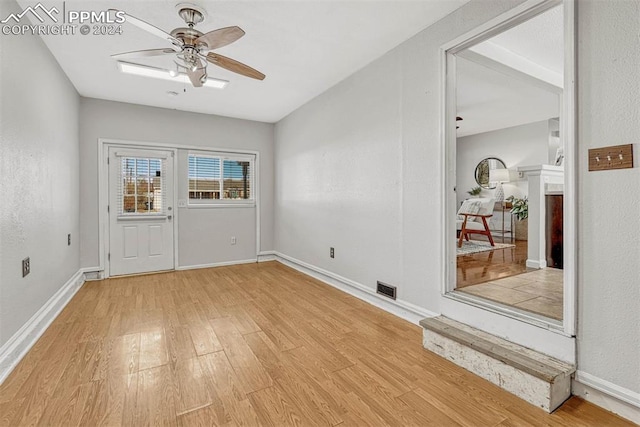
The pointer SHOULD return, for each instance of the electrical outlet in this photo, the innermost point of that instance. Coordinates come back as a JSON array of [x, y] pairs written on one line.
[[233, 240], [69, 239], [26, 266], [332, 253]]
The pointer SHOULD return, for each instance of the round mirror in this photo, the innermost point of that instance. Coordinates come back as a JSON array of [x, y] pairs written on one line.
[[483, 168]]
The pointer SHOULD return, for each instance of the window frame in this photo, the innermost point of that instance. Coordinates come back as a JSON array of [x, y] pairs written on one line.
[[222, 202]]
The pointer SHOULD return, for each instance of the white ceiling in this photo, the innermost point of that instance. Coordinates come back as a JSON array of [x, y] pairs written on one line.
[[540, 40], [490, 98], [304, 48]]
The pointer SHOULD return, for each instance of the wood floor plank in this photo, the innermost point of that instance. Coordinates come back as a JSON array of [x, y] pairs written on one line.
[[154, 398], [249, 345], [204, 338], [245, 364], [179, 343], [153, 349], [8, 410], [274, 408], [190, 387], [230, 402]]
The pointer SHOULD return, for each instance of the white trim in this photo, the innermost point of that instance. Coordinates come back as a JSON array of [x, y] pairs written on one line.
[[142, 153], [509, 311], [536, 263], [403, 309], [222, 202], [165, 145], [264, 256], [511, 18], [219, 205], [216, 264], [607, 395], [570, 198], [256, 198], [21, 342], [521, 13], [103, 194], [621, 393]]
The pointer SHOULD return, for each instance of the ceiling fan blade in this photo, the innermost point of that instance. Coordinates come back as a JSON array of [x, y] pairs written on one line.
[[148, 27], [197, 76], [142, 53], [220, 37], [235, 66]]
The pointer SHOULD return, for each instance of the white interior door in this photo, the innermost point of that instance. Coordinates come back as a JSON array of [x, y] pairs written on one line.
[[140, 210]]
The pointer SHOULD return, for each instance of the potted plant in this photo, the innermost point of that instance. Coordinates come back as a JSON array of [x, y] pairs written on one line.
[[520, 209], [475, 191]]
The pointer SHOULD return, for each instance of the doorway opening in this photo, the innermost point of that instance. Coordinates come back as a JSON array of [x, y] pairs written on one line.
[[140, 210], [509, 136]]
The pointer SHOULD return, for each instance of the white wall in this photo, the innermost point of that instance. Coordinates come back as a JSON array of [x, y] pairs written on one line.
[[524, 145], [202, 232], [359, 168], [609, 231], [38, 177], [379, 129], [338, 178], [205, 233]]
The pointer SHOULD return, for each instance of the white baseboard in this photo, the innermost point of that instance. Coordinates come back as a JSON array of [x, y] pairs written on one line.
[[402, 309], [93, 273], [216, 264], [607, 395], [21, 342], [538, 264], [266, 256]]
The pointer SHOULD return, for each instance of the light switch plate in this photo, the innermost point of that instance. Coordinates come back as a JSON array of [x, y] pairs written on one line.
[[613, 157]]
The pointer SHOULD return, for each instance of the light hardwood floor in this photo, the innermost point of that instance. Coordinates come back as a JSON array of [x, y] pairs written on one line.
[[256, 344], [483, 267], [538, 291]]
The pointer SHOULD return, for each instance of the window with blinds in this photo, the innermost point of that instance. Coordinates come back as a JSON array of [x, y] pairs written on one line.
[[220, 178], [141, 185]]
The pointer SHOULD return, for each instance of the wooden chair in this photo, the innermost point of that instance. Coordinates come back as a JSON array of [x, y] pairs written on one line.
[[472, 219]]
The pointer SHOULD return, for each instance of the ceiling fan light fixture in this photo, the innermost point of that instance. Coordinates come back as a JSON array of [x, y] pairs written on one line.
[[159, 73]]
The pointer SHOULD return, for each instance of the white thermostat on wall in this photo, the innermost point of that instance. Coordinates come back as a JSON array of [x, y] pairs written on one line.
[[182, 203]]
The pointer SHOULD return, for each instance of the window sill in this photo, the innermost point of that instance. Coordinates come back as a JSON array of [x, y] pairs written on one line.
[[221, 205]]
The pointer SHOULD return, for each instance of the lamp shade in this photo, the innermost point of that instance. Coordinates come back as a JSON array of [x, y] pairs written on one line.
[[499, 175]]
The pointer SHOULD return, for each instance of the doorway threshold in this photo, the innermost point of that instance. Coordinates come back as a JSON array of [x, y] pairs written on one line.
[[519, 314]]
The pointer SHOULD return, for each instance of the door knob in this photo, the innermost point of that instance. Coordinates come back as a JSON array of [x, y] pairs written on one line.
[[169, 217]]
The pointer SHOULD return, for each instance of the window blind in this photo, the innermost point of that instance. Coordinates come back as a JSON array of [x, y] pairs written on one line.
[[220, 177]]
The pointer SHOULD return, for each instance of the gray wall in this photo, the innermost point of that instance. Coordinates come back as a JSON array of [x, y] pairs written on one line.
[[359, 168], [524, 145], [202, 232], [609, 225], [38, 177]]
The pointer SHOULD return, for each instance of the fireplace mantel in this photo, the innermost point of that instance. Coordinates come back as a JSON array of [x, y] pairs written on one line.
[[542, 179]]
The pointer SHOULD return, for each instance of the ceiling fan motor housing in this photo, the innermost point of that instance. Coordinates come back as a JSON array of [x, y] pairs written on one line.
[[188, 36], [191, 13]]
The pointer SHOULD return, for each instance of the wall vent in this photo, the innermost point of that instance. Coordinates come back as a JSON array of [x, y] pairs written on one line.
[[386, 290]]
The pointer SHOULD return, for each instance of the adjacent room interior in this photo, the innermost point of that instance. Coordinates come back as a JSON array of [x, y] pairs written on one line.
[[243, 212], [509, 97]]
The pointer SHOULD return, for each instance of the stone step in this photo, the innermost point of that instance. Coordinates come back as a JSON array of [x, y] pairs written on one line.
[[537, 378]]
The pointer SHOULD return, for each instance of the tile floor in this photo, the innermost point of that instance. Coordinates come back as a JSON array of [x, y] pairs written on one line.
[[538, 291]]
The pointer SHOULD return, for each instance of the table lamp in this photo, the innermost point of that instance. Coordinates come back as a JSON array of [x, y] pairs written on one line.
[[499, 176]]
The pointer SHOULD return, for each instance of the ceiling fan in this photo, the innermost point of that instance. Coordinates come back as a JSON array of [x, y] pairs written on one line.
[[192, 49]]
